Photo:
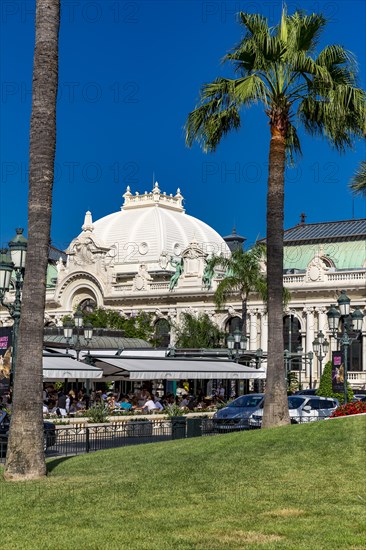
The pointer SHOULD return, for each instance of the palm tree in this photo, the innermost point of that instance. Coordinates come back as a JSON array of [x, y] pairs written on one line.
[[243, 276], [358, 182], [25, 455], [278, 67]]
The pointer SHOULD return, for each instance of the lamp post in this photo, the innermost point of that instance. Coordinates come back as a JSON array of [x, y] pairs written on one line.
[[12, 260], [299, 353], [236, 342], [78, 323], [351, 323], [307, 357], [258, 357], [320, 348]]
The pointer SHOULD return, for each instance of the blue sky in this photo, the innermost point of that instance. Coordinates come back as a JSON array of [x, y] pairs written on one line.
[[130, 72]]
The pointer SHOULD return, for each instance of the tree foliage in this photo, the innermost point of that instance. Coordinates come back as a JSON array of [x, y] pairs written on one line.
[[325, 386], [198, 332], [138, 326], [278, 67], [358, 182], [243, 275]]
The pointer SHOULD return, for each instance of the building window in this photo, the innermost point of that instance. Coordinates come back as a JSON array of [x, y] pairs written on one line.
[[162, 333], [232, 324], [354, 355], [292, 338], [87, 306]]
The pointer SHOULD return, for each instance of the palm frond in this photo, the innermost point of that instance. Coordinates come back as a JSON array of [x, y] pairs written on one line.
[[358, 182], [254, 23], [304, 31], [226, 286], [335, 54], [293, 146], [243, 273], [303, 64], [337, 114], [218, 112]]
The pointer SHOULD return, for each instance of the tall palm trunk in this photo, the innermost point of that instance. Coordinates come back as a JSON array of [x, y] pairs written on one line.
[[275, 407], [25, 456]]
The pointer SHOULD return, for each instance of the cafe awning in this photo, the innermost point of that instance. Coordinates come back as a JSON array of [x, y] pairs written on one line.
[[165, 368], [60, 367]]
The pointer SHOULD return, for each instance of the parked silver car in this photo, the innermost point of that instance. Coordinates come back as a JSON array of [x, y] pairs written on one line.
[[301, 408], [235, 416]]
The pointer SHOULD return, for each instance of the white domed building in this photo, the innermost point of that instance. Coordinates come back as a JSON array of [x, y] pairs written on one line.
[[149, 256]]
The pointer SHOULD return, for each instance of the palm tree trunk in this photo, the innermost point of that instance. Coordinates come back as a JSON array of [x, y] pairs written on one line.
[[275, 408], [25, 457]]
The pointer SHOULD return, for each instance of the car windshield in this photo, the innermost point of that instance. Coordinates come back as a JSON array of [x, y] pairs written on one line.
[[295, 402], [247, 401]]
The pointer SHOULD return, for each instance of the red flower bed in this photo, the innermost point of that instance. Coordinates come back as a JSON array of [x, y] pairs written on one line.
[[351, 408]]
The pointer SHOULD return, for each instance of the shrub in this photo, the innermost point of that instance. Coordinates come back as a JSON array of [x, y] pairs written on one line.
[[325, 387], [174, 410], [357, 407], [98, 413]]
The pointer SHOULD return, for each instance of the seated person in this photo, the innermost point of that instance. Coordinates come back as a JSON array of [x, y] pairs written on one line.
[[151, 405], [125, 404]]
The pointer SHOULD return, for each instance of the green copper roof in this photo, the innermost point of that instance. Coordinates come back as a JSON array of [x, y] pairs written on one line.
[[51, 276], [344, 255]]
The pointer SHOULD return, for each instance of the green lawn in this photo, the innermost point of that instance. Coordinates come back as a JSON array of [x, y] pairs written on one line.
[[292, 487]]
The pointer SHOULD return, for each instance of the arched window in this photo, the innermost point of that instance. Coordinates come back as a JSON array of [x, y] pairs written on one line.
[[292, 337], [232, 324], [87, 306], [162, 333], [328, 262]]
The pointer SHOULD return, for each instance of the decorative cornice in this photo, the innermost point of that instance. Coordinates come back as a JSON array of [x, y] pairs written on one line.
[[155, 198]]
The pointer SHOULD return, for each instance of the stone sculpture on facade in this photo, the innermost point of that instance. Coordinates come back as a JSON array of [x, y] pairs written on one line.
[[208, 275], [178, 265]]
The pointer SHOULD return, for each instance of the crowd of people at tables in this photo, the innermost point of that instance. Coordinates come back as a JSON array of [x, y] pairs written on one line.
[[139, 401]]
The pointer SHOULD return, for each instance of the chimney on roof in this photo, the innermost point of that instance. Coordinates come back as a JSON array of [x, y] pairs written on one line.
[[302, 218]]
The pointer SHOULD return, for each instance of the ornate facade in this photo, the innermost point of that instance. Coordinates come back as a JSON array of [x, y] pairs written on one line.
[[151, 256]]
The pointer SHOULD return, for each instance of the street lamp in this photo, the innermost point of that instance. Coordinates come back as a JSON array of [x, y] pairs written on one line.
[[299, 351], [320, 348], [12, 260], [236, 341], [307, 357], [78, 324], [350, 323], [258, 357]]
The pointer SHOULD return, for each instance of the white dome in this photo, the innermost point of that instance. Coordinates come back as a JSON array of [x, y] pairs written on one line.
[[153, 225]]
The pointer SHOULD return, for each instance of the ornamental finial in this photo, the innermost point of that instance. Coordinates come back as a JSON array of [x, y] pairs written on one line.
[[88, 222]]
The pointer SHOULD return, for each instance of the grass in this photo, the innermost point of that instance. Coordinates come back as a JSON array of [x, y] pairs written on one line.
[[294, 487]]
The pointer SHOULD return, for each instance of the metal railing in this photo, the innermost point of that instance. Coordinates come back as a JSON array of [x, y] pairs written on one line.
[[78, 439]]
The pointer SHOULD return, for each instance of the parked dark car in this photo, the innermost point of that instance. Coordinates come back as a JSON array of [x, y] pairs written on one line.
[[48, 427], [236, 415]]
